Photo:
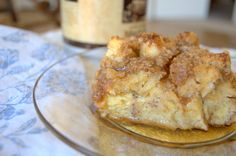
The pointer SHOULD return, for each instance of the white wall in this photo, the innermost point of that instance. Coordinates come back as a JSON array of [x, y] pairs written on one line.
[[178, 9]]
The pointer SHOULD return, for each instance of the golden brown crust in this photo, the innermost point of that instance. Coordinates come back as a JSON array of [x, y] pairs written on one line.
[[182, 65], [125, 56], [179, 64], [114, 72], [176, 57]]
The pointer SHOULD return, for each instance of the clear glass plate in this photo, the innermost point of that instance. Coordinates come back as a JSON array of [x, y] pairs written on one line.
[[63, 102]]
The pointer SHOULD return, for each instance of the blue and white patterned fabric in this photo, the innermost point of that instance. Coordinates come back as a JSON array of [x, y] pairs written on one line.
[[23, 57]]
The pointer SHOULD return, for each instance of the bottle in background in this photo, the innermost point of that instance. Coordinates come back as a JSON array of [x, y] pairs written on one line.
[[90, 23]]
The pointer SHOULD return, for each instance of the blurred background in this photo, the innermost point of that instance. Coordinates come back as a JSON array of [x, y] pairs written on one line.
[[168, 16], [43, 15]]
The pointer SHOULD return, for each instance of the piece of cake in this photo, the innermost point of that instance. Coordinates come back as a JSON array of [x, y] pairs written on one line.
[[166, 82]]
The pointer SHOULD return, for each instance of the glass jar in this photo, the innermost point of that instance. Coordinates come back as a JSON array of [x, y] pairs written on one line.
[[90, 23]]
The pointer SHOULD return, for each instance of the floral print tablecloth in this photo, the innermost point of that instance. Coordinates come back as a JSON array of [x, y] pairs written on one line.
[[23, 57]]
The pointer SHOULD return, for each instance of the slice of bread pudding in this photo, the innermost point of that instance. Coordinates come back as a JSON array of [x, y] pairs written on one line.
[[166, 82]]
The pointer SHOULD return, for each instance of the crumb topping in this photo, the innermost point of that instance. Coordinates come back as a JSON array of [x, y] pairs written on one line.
[[176, 60]]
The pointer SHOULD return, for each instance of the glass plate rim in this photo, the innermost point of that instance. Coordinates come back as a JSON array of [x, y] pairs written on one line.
[[52, 129]]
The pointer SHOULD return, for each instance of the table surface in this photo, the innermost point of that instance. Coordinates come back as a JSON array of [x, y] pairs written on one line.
[[211, 33]]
